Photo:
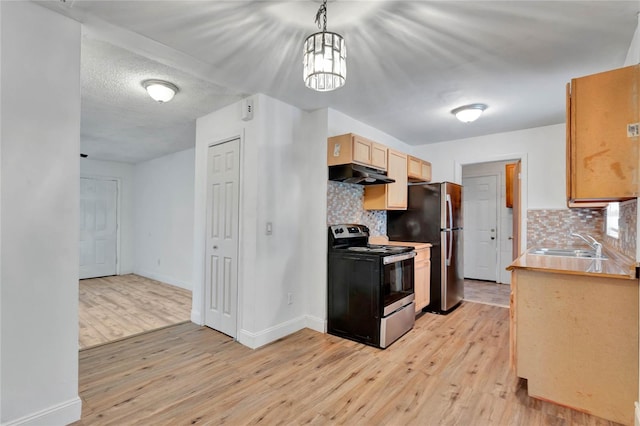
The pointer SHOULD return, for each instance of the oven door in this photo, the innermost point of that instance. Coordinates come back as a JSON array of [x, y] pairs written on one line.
[[397, 281]]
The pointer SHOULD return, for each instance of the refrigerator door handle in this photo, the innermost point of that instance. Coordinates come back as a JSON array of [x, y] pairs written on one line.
[[449, 227], [449, 247], [449, 224]]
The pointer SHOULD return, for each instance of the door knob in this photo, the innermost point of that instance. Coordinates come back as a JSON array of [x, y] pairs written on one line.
[[215, 247], [493, 238], [511, 238]]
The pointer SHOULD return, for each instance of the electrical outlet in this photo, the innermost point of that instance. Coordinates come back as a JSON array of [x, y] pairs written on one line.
[[290, 298]]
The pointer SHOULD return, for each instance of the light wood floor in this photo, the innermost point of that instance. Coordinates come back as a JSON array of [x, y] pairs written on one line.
[[487, 292], [112, 308], [449, 370]]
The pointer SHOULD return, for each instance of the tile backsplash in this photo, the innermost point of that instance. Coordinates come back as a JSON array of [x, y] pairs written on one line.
[[552, 227], [627, 230], [345, 205], [545, 227]]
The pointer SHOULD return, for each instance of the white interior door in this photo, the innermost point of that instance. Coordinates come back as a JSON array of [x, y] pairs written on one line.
[[480, 226], [98, 227], [221, 275]]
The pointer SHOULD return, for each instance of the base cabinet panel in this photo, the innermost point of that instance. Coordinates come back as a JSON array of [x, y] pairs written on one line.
[[576, 341]]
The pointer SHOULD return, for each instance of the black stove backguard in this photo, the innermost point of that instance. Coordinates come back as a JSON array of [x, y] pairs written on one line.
[[349, 235]]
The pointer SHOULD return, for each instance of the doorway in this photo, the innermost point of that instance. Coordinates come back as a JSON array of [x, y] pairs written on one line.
[[98, 227], [222, 239], [489, 229], [480, 223]]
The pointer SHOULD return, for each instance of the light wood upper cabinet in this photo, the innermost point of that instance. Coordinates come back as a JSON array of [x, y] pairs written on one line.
[[392, 196], [510, 176], [351, 148], [602, 136], [418, 170]]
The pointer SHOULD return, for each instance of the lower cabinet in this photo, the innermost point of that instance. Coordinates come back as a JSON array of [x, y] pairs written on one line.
[[575, 339], [422, 280]]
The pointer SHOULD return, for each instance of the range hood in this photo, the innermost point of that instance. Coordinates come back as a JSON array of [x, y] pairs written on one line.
[[361, 175]]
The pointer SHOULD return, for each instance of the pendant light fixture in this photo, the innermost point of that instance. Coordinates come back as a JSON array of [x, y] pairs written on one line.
[[160, 90], [469, 113], [325, 57]]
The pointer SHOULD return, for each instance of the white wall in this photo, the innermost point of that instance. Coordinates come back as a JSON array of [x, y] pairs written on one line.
[[340, 123], [279, 154], [542, 151], [163, 218], [40, 142], [633, 54], [544, 148], [123, 173]]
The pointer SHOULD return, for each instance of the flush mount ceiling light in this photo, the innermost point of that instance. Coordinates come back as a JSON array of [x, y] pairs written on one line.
[[325, 57], [469, 113], [160, 90]]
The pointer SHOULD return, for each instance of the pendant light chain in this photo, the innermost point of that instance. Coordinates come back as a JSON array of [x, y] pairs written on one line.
[[322, 12]]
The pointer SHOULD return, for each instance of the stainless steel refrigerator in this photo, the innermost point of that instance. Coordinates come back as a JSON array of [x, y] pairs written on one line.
[[434, 215]]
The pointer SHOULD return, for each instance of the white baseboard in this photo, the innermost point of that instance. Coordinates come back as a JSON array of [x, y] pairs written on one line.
[[165, 279], [637, 416], [59, 414], [315, 323], [196, 317], [271, 334]]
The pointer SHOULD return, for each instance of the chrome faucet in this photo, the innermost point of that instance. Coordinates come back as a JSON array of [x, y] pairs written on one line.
[[593, 243]]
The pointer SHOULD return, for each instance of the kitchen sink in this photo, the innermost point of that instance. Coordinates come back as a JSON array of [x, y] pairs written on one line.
[[566, 252]]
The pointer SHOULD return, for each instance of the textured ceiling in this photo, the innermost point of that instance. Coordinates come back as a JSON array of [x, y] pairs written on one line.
[[409, 63]]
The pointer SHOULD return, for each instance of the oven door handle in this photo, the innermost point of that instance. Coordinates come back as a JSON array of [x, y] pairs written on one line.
[[398, 257]]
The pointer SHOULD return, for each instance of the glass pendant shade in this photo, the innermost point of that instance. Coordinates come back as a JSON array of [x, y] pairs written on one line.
[[325, 61]]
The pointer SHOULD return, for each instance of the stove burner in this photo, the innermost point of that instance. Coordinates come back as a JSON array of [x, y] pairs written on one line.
[[380, 249]]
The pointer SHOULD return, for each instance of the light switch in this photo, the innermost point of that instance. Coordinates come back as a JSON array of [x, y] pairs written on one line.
[[269, 229]]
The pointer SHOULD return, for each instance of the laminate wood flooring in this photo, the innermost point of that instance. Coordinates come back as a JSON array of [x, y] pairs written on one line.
[[487, 292], [449, 370], [116, 307]]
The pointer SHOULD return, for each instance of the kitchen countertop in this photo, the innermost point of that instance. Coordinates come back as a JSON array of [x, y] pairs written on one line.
[[384, 240], [615, 266]]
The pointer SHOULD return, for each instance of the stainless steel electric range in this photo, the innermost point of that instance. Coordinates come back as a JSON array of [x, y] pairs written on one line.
[[370, 287]]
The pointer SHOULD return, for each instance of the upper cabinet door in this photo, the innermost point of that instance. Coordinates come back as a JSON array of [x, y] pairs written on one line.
[[392, 196], [362, 150], [351, 148], [602, 136], [379, 156], [418, 170], [397, 192]]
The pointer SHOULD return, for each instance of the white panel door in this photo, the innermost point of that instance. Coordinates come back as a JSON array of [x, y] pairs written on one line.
[[221, 275], [98, 227], [480, 227]]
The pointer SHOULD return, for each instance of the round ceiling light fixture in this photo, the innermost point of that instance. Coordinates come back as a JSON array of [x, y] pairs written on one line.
[[160, 90], [469, 113]]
